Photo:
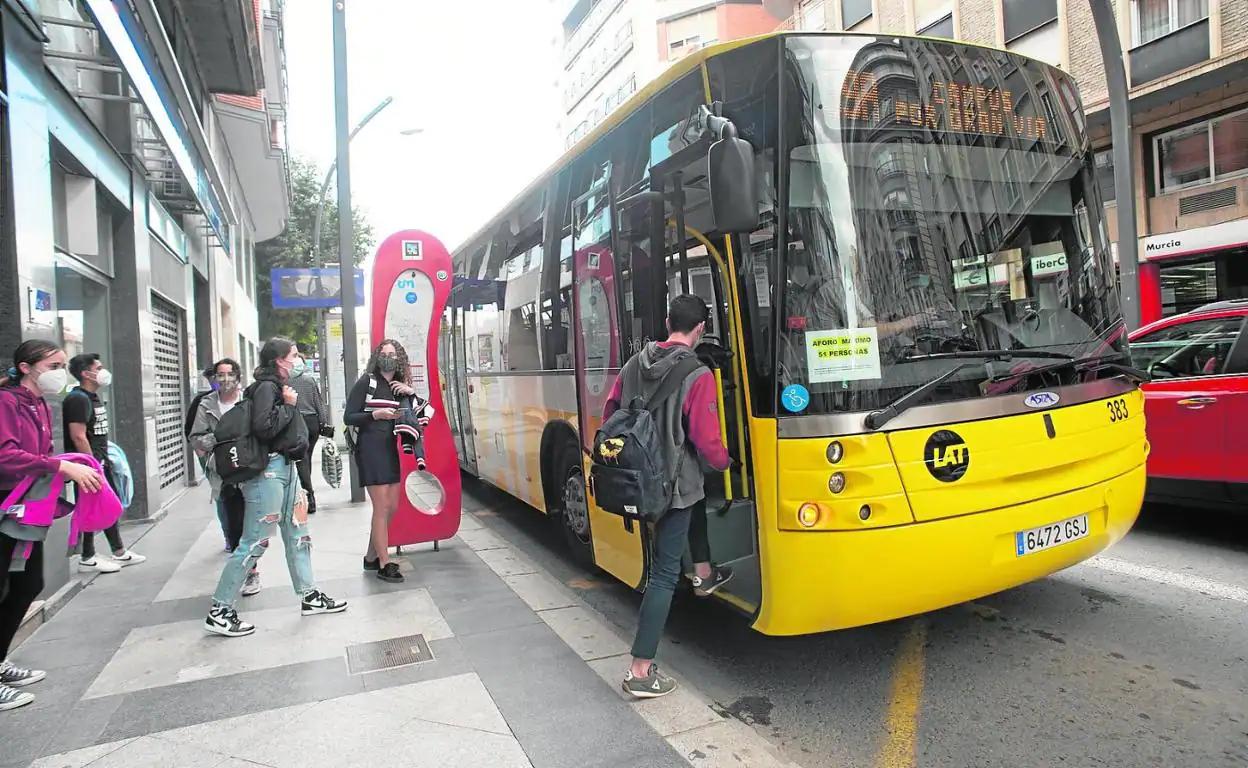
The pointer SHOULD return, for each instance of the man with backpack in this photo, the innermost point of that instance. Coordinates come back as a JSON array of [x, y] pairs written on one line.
[[666, 380]]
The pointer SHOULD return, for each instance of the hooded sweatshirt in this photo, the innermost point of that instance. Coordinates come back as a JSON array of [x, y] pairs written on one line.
[[688, 418], [25, 437]]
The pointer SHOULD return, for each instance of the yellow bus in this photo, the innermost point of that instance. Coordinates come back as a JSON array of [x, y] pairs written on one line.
[[915, 329]]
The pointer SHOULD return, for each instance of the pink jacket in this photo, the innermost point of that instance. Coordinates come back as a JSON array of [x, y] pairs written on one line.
[[37, 504]]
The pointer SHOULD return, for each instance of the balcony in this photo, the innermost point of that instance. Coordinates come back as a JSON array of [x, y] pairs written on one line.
[[274, 46], [227, 44], [1170, 53]]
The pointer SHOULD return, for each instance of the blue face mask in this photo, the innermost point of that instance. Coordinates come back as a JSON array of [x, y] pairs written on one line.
[[298, 368]]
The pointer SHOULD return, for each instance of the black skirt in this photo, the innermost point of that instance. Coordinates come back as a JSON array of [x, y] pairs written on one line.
[[376, 458]]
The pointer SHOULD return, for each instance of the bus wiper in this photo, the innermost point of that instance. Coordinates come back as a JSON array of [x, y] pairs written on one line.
[[988, 354], [879, 418], [1083, 363]]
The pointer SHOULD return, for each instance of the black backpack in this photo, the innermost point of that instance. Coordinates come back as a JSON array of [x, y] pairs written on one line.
[[627, 473], [238, 455]]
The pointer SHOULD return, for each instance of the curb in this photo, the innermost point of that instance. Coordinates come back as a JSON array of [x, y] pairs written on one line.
[[685, 718]]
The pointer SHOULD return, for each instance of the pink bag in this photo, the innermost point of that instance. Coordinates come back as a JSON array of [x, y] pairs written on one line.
[[36, 501]]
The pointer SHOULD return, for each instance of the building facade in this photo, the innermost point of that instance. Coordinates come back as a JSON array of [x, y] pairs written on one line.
[[613, 47], [143, 159], [1186, 63]]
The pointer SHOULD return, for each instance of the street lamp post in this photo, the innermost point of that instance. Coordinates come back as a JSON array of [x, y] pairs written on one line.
[[1124, 164], [323, 345], [346, 235]]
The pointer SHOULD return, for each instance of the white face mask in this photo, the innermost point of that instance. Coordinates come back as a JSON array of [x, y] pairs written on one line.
[[103, 377], [53, 381]]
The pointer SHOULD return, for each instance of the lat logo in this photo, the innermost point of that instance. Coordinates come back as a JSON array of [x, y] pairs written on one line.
[[1041, 399], [947, 456]]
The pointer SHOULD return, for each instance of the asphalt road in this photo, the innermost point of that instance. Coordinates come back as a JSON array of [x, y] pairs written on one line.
[[1134, 659]]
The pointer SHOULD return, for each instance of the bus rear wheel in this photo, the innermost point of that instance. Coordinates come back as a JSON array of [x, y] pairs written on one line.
[[574, 515]]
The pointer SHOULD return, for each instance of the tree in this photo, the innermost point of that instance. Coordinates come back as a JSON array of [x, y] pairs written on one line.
[[293, 248]]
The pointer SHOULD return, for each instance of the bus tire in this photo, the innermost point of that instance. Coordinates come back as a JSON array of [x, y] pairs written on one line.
[[574, 509]]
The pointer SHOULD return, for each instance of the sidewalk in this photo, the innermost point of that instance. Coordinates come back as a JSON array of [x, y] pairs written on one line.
[[478, 659]]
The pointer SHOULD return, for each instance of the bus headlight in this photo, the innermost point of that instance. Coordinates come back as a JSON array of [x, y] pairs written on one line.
[[808, 515], [836, 452], [836, 483]]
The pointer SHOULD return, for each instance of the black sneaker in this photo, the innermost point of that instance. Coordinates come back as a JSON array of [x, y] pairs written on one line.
[[652, 686], [224, 621], [390, 573], [706, 587], [372, 565], [318, 602]]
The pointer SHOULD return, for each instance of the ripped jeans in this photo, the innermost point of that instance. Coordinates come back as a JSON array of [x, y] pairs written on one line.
[[270, 498]]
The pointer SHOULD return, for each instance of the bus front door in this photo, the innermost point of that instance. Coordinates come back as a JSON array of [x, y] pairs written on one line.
[[731, 513]]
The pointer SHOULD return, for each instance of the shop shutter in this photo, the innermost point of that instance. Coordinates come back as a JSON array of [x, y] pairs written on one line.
[[170, 402]]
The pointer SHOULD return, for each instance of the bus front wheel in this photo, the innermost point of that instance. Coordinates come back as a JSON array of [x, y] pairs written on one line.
[[574, 519]]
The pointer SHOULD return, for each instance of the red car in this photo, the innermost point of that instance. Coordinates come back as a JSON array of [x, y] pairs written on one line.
[[1197, 405]]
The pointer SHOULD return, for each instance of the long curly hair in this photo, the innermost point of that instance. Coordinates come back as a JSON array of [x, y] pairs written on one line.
[[403, 374]]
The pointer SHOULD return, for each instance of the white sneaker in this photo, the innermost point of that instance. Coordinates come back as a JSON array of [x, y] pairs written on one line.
[[11, 698], [252, 585], [127, 558], [98, 564]]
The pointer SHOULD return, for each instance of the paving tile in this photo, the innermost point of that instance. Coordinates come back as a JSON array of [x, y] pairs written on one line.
[[468, 523], [168, 707], [584, 632], [679, 711], [338, 542], [168, 654], [81, 757], [727, 744], [83, 725], [451, 722], [506, 562], [469, 612], [540, 592], [557, 707], [147, 751], [480, 539]]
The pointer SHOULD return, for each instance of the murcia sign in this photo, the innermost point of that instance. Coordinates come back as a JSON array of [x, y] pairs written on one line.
[[1191, 241]]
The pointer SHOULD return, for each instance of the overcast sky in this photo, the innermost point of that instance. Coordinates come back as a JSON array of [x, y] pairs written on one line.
[[478, 78]]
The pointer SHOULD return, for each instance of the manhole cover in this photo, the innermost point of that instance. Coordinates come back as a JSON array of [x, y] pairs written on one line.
[[387, 654]]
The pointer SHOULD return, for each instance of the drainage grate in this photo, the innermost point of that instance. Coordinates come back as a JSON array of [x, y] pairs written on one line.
[[387, 654]]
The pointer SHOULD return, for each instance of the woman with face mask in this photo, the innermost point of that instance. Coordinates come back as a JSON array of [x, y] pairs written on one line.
[[270, 497], [231, 508], [372, 407], [38, 371]]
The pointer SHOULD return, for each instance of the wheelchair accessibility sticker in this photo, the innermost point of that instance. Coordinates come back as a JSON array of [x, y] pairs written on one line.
[[795, 398]]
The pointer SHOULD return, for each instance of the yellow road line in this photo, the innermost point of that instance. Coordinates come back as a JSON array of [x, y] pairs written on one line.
[[900, 749]]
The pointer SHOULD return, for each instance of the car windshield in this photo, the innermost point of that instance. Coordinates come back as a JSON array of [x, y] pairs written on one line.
[[941, 199]]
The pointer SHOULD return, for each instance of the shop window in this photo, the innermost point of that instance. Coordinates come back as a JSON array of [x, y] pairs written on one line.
[[1186, 286], [1191, 349], [1207, 152], [1151, 19]]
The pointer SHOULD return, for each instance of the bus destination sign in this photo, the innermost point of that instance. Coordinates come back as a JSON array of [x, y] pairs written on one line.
[[949, 107]]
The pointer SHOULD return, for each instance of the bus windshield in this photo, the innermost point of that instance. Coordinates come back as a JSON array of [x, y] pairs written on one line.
[[940, 202]]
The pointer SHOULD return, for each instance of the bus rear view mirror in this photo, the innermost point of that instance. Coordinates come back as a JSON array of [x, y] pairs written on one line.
[[734, 201]]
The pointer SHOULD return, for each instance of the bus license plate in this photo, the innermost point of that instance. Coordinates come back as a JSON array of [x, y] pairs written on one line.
[[1052, 535]]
